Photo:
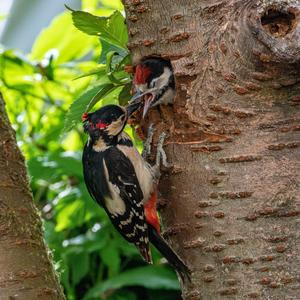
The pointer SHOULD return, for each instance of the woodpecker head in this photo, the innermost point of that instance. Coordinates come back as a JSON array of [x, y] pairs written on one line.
[[154, 83], [108, 121]]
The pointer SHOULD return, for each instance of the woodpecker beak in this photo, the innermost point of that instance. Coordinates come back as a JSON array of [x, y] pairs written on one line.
[[147, 96], [133, 106], [147, 103]]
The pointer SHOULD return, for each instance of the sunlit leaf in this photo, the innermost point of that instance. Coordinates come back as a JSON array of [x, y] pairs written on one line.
[[70, 214], [62, 41], [112, 28], [116, 4]]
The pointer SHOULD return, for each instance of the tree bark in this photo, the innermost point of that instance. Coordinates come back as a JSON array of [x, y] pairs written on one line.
[[230, 204], [26, 270]]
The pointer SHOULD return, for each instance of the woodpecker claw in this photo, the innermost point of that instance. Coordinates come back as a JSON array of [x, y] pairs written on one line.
[[148, 142], [161, 156]]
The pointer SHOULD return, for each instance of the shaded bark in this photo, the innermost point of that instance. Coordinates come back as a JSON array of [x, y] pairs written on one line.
[[230, 204], [26, 270]]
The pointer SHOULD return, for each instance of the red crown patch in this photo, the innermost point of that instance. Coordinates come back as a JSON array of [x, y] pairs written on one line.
[[141, 74]]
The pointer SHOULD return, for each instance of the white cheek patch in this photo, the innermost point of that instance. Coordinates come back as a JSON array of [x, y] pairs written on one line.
[[114, 204], [115, 127], [163, 79], [167, 97]]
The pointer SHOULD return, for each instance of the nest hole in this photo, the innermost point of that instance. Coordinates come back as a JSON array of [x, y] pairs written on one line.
[[278, 23]]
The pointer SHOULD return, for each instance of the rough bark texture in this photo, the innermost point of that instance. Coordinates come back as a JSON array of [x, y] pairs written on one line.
[[230, 205], [26, 271]]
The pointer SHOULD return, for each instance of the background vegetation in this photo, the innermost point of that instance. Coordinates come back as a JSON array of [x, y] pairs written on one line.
[[68, 71]]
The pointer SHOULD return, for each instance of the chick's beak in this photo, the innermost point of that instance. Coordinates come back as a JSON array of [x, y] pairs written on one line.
[[148, 98], [145, 98]]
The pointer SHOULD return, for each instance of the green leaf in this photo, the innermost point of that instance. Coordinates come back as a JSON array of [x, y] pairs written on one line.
[[79, 266], [126, 60], [107, 47], [100, 71], [112, 28], [105, 89], [2, 17], [125, 95], [123, 295], [152, 277], [116, 4], [73, 116], [111, 257], [62, 40], [109, 69], [70, 213]]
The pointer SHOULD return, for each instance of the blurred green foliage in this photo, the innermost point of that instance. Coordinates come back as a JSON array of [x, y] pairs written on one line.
[[68, 72]]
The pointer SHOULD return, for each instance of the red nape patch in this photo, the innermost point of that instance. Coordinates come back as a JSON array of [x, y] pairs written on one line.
[[85, 117], [151, 213], [101, 125], [141, 74]]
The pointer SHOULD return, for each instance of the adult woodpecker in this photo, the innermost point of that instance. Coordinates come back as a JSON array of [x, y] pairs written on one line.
[[123, 183], [154, 82]]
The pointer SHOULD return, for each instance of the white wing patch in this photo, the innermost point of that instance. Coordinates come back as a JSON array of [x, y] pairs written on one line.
[[142, 170], [114, 204]]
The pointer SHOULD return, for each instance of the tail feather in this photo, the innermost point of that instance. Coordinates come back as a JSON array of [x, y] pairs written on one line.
[[173, 259], [145, 252]]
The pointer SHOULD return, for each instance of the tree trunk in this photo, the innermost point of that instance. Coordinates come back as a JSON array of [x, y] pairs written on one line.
[[26, 270], [231, 201]]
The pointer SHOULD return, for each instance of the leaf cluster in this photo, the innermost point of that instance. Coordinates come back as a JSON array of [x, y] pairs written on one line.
[[72, 69]]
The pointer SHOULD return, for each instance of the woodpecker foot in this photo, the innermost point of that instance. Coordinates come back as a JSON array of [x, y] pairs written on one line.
[[148, 142], [161, 156]]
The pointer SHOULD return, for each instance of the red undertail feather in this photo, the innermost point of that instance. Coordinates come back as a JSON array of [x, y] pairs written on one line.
[[151, 213]]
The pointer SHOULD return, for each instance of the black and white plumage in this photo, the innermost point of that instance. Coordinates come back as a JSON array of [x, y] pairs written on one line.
[[154, 82], [123, 183], [111, 177]]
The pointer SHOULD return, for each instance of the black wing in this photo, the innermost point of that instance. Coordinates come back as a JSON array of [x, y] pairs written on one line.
[[93, 173], [123, 182]]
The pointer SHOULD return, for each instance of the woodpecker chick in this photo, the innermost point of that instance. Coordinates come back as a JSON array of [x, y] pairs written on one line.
[[123, 183], [154, 82]]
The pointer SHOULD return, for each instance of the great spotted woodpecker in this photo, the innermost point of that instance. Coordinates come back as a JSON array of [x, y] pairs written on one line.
[[123, 183], [154, 82]]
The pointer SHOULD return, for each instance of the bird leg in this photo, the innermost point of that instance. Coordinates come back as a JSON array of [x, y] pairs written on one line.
[[148, 142], [161, 156]]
